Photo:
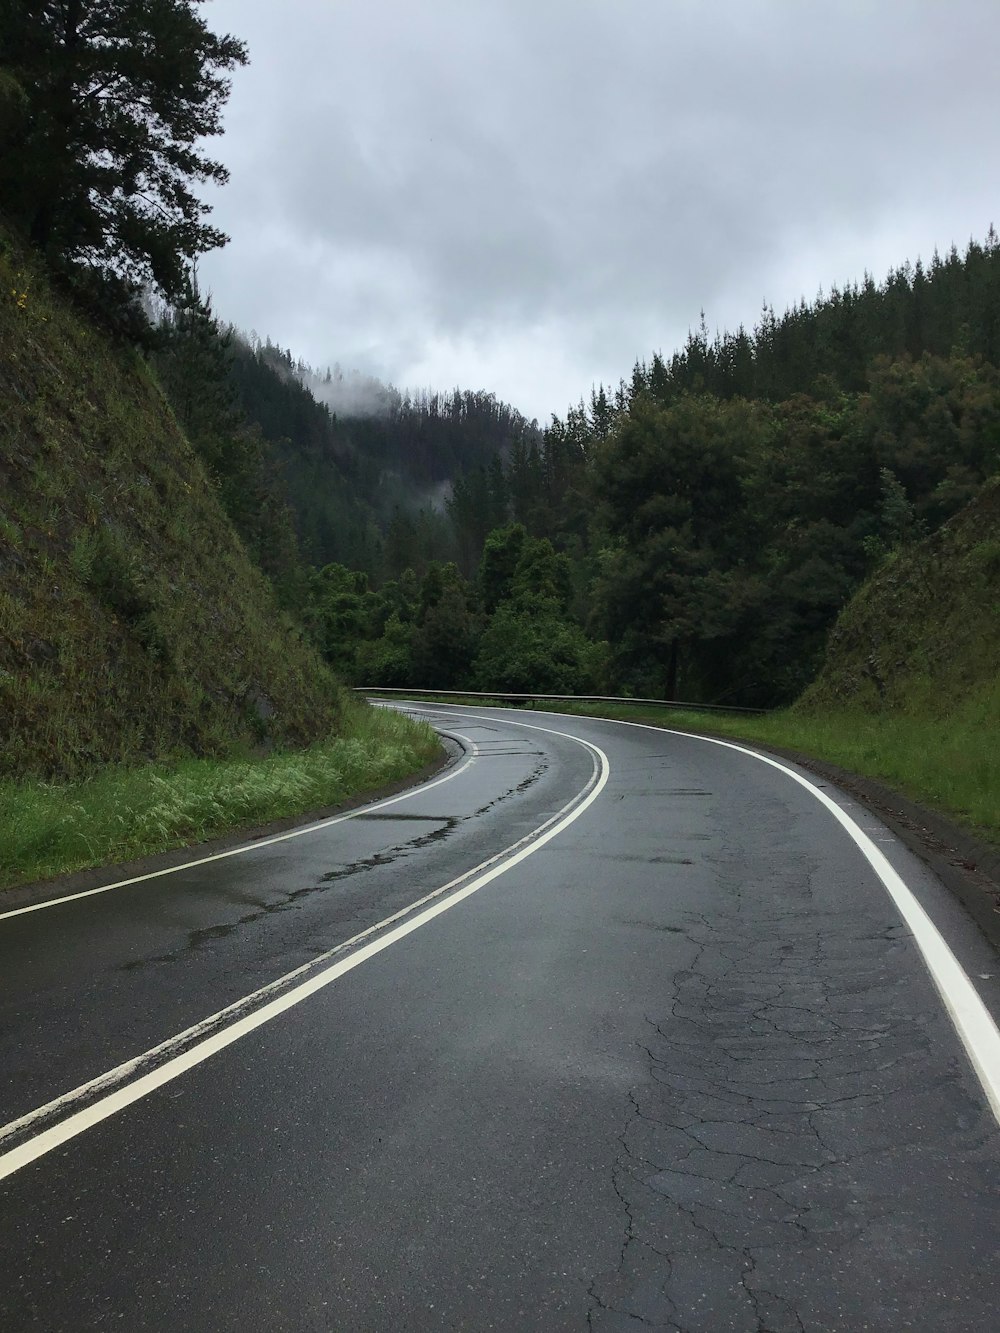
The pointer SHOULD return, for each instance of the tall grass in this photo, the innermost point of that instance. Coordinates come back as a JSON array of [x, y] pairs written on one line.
[[122, 812]]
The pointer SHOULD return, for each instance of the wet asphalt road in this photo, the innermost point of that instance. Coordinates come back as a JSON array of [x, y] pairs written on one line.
[[682, 1067]]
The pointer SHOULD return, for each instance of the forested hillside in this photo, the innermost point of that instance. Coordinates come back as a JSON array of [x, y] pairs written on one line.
[[321, 468], [367, 468], [695, 532], [692, 534]]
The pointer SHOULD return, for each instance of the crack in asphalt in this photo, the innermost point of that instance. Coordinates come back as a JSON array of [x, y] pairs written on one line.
[[205, 936], [787, 1078]]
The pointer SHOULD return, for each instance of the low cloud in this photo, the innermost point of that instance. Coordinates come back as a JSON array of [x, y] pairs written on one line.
[[350, 393]]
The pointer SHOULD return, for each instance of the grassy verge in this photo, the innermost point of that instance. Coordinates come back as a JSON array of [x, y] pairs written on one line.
[[950, 764], [123, 813]]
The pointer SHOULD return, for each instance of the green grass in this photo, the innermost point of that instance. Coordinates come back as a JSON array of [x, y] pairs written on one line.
[[121, 813], [948, 763]]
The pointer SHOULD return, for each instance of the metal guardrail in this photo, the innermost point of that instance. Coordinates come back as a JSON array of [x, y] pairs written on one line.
[[505, 696]]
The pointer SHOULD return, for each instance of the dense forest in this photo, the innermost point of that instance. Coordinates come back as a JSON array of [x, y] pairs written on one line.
[[373, 488], [368, 480], [692, 533]]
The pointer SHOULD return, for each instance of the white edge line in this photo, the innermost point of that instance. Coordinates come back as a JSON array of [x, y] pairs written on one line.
[[113, 1077], [50, 1139], [972, 1020], [249, 846]]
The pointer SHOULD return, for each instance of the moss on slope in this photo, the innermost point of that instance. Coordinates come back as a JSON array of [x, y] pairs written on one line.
[[133, 624], [923, 635]]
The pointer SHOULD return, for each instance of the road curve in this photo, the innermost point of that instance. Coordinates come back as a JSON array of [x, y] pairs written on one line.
[[610, 1028]]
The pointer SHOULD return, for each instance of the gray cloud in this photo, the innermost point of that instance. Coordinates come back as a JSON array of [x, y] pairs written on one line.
[[528, 197]]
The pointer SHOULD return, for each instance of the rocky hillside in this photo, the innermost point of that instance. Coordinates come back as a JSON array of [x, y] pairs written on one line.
[[132, 622]]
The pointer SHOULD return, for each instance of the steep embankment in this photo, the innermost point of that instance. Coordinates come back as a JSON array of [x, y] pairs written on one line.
[[132, 623], [922, 636]]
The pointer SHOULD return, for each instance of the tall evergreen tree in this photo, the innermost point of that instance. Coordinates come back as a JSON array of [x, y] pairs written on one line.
[[106, 105]]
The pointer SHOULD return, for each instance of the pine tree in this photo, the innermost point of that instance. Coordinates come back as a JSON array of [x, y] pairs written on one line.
[[105, 105]]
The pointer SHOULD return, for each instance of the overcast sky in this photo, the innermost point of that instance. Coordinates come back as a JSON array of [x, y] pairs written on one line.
[[526, 196]]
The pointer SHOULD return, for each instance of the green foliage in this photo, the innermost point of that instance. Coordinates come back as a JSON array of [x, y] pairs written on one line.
[[947, 309], [115, 574], [369, 483], [899, 523], [103, 108], [986, 555], [387, 660], [433, 634], [721, 539], [340, 612], [405, 634], [477, 505], [671, 582], [501, 552], [536, 649], [83, 556], [530, 641], [193, 361], [717, 512], [444, 636], [542, 575], [734, 532]]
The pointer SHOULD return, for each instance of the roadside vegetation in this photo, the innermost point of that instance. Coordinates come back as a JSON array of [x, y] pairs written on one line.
[[121, 813]]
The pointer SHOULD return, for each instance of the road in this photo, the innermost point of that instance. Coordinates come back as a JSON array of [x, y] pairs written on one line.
[[604, 1028]]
